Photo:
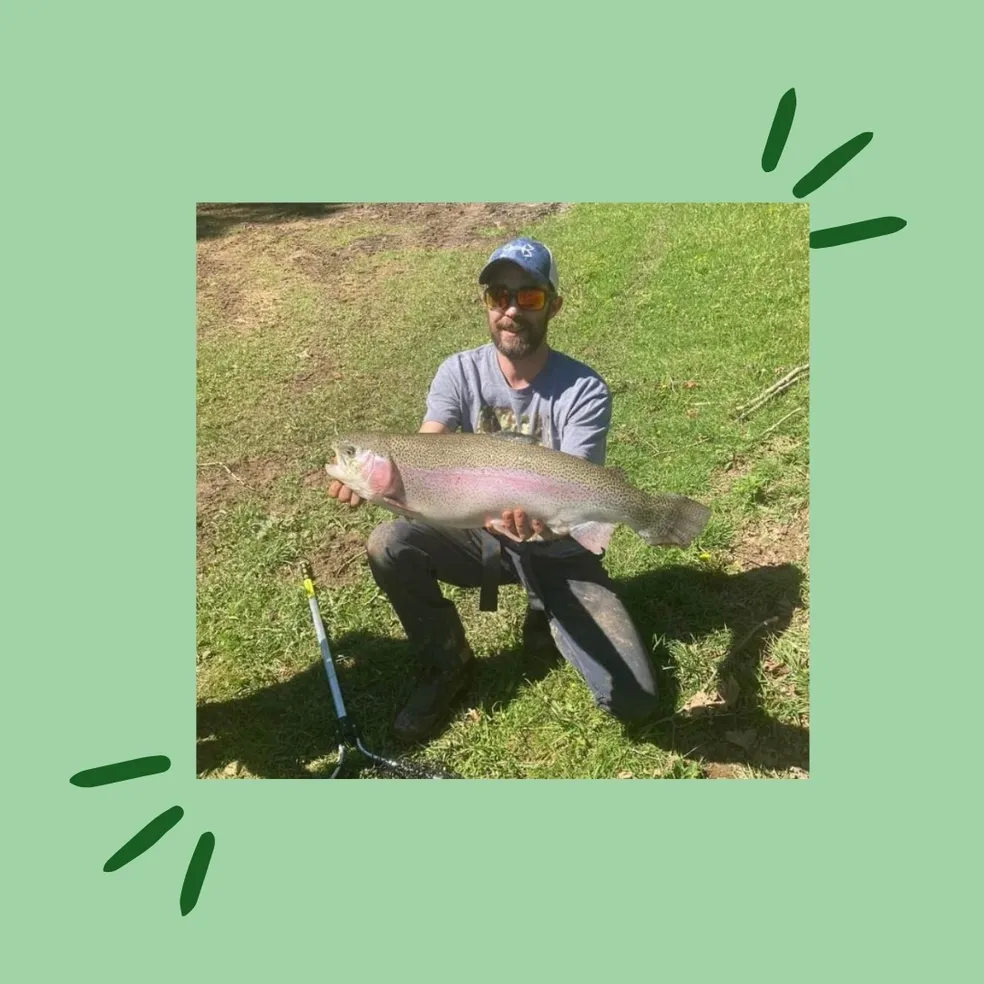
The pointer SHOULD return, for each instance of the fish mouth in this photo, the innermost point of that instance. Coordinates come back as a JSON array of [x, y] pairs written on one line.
[[344, 467]]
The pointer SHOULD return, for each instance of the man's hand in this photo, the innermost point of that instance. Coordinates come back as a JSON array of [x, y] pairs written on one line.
[[515, 523], [344, 494]]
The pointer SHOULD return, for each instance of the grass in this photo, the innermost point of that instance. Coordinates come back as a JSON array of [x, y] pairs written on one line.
[[315, 322]]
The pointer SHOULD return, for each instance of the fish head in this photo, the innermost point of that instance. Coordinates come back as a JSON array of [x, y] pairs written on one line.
[[365, 466]]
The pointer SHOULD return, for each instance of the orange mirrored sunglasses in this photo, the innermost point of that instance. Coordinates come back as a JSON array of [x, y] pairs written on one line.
[[526, 298]]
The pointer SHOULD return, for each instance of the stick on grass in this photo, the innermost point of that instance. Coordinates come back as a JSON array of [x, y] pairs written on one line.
[[774, 390]]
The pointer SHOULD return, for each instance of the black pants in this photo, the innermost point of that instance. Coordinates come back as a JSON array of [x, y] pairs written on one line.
[[588, 622]]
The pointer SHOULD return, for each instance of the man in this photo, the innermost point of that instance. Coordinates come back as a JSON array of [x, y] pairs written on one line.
[[515, 382]]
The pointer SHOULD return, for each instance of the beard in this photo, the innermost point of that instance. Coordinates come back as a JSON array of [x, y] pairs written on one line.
[[525, 341]]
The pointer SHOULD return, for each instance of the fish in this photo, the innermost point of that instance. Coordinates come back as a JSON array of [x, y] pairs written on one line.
[[466, 481]]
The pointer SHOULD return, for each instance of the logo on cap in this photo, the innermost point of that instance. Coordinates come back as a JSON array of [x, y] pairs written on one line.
[[532, 256]]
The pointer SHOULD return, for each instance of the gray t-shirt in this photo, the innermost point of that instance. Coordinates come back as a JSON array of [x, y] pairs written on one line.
[[567, 406]]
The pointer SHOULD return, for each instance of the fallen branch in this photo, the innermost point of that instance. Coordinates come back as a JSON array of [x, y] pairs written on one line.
[[232, 474], [227, 470], [769, 430], [774, 390], [346, 563], [748, 638]]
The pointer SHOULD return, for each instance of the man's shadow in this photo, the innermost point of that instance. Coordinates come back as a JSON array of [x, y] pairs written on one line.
[[277, 731], [687, 604]]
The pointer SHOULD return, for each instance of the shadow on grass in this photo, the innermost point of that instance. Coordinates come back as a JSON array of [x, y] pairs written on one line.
[[213, 219], [276, 731], [684, 603]]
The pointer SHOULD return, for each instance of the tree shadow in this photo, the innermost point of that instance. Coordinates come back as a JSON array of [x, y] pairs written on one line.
[[276, 731], [213, 219]]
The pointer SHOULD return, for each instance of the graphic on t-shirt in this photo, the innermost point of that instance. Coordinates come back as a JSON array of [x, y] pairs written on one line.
[[494, 419]]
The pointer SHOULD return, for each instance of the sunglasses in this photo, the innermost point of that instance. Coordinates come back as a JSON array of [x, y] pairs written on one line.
[[525, 298]]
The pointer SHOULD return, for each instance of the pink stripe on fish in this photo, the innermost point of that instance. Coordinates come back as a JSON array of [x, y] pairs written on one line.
[[477, 480]]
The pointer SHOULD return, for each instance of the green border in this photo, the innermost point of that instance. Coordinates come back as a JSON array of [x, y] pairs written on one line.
[[122, 121]]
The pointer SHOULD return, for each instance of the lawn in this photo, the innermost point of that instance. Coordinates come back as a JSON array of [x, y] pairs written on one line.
[[319, 318]]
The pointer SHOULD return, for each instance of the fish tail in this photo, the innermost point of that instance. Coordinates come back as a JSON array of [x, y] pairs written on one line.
[[674, 521]]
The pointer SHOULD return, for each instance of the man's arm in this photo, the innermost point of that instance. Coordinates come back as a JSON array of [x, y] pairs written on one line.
[[586, 428]]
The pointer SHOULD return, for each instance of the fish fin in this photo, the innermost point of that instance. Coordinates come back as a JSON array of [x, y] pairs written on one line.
[[593, 536], [686, 521], [507, 435]]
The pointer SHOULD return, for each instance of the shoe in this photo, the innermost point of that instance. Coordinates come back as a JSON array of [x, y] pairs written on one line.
[[537, 637], [429, 704]]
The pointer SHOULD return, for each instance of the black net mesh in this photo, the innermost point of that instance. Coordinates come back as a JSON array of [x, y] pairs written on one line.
[[405, 769]]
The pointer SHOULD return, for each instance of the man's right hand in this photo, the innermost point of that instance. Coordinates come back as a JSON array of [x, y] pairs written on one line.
[[344, 494]]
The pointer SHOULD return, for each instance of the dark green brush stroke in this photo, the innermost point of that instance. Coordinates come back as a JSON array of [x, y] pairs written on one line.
[[831, 164], [149, 765], [197, 869], [782, 123], [144, 839], [854, 231]]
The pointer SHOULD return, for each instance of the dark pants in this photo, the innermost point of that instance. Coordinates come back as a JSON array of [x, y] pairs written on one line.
[[588, 622]]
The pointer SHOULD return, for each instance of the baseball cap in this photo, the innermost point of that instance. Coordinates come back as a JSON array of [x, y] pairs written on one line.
[[532, 256]]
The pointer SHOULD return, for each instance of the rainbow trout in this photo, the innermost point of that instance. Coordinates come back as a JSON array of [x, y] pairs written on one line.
[[467, 481]]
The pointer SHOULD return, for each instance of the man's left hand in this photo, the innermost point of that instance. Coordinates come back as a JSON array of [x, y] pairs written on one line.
[[517, 524]]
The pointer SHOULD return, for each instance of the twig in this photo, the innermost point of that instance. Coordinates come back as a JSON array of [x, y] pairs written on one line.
[[232, 474], [774, 390], [227, 470], [345, 564], [748, 638], [788, 379], [768, 430], [760, 401]]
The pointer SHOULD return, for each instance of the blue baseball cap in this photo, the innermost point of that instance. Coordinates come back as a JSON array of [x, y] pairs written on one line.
[[529, 254]]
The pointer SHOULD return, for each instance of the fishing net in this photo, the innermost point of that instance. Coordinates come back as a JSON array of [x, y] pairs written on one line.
[[367, 764], [398, 768]]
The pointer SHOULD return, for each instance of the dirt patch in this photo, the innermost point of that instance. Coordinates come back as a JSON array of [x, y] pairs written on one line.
[[431, 224], [249, 255], [451, 224], [220, 484], [341, 560], [724, 770], [231, 291], [721, 770], [766, 542]]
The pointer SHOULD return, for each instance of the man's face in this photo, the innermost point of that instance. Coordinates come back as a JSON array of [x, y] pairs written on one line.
[[517, 333]]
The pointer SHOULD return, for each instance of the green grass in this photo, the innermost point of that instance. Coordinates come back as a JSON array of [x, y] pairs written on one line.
[[688, 311]]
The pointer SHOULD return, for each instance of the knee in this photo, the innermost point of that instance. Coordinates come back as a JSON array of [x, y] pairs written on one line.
[[384, 541]]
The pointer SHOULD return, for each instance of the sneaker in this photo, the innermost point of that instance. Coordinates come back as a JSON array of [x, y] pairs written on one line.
[[537, 637], [436, 691]]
